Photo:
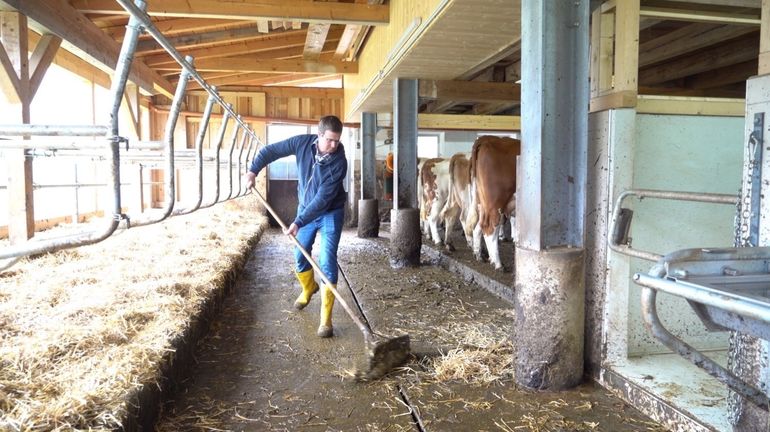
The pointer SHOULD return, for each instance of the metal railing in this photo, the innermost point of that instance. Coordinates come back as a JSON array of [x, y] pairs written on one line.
[[621, 217], [139, 21]]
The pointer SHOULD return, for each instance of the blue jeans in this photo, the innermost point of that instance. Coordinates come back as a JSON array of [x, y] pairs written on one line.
[[330, 225]]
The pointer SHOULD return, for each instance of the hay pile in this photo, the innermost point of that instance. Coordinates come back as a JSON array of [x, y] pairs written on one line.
[[484, 354], [82, 330]]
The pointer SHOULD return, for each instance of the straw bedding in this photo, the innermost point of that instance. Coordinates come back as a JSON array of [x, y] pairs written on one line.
[[82, 330]]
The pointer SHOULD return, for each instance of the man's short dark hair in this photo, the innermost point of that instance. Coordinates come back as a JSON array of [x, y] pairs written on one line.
[[329, 123]]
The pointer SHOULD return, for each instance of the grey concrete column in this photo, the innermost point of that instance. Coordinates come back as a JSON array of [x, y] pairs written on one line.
[[368, 171], [550, 287], [405, 239], [550, 314], [368, 206]]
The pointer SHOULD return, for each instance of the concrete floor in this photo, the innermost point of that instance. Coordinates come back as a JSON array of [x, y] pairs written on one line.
[[262, 367]]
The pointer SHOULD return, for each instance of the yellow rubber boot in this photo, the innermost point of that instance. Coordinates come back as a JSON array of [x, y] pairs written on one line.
[[325, 330], [309, 287]]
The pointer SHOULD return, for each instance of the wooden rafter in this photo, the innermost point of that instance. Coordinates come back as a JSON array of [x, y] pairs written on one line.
[[250, 65], [274, 44], [314, 42], [287, 10], [41, 59], [150, 46], [689, 38], [76, 65], [470, 91], [730, 53], [736, 73], [282, 91], [57, 17], [172, 27]]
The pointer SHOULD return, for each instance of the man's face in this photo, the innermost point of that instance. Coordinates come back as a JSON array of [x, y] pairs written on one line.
[[328, 142]]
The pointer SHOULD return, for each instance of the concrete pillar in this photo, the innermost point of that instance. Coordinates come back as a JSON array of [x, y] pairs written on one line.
[[368, 206], [550, 287], [549, 330], [405, 239]]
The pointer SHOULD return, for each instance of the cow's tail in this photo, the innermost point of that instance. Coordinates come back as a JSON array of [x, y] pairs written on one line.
[[452, 199], [474, 157]]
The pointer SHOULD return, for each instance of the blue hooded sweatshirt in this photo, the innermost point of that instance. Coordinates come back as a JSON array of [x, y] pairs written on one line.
[[320, 186]]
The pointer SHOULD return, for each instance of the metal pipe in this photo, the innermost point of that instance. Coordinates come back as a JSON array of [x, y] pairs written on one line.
[[654, 326], [230, 161], [122, 69], [659, 194], [168, 139], [73, 145], [186, 65], [240, 163], [53, 130], [725, 300], [248, 160], [199, 155], [220, 138]]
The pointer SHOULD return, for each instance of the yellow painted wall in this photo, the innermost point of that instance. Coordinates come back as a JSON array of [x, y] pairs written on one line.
[[381, 40]]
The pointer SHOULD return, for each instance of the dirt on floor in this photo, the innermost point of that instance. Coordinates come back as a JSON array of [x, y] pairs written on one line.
[[262, 367]]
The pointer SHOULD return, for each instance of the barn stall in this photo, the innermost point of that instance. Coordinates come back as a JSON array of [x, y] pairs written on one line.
[[622, 127]]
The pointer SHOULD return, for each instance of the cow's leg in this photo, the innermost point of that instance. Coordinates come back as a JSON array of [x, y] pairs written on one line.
[[477, 234], [434, 219], [514, 235], [450, 220], [492, 246]]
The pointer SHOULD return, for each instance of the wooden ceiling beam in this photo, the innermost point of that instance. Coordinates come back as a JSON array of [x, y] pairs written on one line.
[[687, 39], [730, 53], [269, 42], [731, 3], [737, 73], [259, 51], [228, 36], [76, 65], [171, 27], [469, 91], [314, 43], [42, 56], [57, 17], [683, 14], [281, 91], [287, 10], [492, 108], [251, 65]]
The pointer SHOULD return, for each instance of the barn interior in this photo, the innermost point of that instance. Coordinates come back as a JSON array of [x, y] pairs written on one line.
[[665, 161]]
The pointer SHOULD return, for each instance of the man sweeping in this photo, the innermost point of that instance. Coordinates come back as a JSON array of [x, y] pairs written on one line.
[[321, 169]]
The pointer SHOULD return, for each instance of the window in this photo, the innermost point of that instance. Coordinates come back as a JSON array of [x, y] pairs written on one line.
[[284, 168], [427, 145]]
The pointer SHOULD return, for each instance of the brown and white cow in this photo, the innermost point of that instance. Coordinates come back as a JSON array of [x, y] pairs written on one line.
[[493, 183], [434, 184], [459, 197]]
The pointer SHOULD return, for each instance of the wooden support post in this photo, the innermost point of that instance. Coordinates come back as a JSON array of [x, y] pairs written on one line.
[[615, 55], [16, 87], [764, 39]]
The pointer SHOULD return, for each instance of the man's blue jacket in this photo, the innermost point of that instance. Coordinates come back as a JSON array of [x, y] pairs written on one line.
[[320, 187]]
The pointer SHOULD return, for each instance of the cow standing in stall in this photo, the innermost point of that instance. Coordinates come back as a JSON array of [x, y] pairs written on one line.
[[459, 197], [493, 183], [434, 181]]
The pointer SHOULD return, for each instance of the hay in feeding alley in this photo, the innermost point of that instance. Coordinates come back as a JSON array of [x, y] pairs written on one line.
[[484, 355], [82, 330]]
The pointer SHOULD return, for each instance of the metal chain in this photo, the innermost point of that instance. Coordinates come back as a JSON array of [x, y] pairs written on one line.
[[742, 239], [743, 217]]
